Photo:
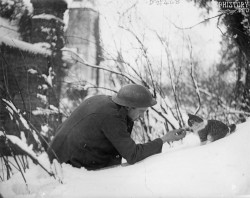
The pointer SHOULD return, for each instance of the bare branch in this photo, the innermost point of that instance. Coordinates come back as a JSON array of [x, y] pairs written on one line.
[[166, 120], [84, 62], [193, 79], [2, 26], [221, 103], [128, 9], [173, 84], [13, 155], [218, 25], [144, 50], [203, 21]]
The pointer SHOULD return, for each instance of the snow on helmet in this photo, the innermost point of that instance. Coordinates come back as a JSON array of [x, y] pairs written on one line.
[[133, 95]]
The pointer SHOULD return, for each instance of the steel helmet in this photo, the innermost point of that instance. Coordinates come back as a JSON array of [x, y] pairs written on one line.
[[133, 95]]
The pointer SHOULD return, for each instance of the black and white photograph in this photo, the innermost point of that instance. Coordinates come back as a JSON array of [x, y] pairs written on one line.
[[124, 98]]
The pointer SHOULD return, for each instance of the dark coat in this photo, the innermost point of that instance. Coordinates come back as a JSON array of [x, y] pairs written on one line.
[[97, 134]]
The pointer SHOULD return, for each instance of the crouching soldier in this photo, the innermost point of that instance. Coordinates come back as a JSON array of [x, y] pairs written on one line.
[[97, 134]]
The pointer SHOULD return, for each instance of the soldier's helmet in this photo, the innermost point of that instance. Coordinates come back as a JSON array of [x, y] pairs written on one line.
[[133, 95]]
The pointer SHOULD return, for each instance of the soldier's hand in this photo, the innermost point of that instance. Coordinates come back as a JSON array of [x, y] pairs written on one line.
[[174, 135]]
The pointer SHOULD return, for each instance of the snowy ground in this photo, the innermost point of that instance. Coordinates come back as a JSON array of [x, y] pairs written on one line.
[[219, 169]]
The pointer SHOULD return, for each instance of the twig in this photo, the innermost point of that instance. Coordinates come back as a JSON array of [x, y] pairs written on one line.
[[84, 62], [28, 154], [19, 116], [8, 167], [2, 26], [203, 21], [98, 87], [22, 163], [144, 50], [221, 103], [218, 27], [34, 159], [22, 98], [17, 84], [2, 168], [193, 79], [128, 9], [173, 85], [131, 67], [13, 164], [166, 120], [13, 155]]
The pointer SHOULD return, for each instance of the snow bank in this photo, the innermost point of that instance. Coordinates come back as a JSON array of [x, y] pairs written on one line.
[[219, 169], [32, 48]]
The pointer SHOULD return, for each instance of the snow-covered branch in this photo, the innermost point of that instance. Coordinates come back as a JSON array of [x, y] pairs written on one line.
[[13, 110], [26, 150]]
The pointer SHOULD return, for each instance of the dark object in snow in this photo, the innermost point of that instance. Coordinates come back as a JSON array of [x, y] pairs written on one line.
[[209, 130]]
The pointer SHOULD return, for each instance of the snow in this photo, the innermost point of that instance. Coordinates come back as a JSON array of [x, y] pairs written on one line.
[[45, 129], [32, 71], [42, 111], [81, 4], [49, 78], [47, 17], [43, 86], [7, 29], [219, 169], [11, 42], [21, 144], [9, 36], [11, 108], [43, 98]]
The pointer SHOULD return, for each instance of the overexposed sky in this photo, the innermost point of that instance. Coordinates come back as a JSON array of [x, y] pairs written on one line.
[[146, 16]]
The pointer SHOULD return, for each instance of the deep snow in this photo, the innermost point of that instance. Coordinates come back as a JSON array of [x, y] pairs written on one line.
[[219, 169]]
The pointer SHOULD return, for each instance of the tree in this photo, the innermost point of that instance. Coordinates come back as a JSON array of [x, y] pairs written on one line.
[[236, 46]]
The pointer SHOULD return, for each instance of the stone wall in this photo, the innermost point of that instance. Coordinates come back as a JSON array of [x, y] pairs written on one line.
[[21, 79], [30, 75]]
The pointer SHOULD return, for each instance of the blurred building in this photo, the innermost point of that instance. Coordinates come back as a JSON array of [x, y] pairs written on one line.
[[82, 44]]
